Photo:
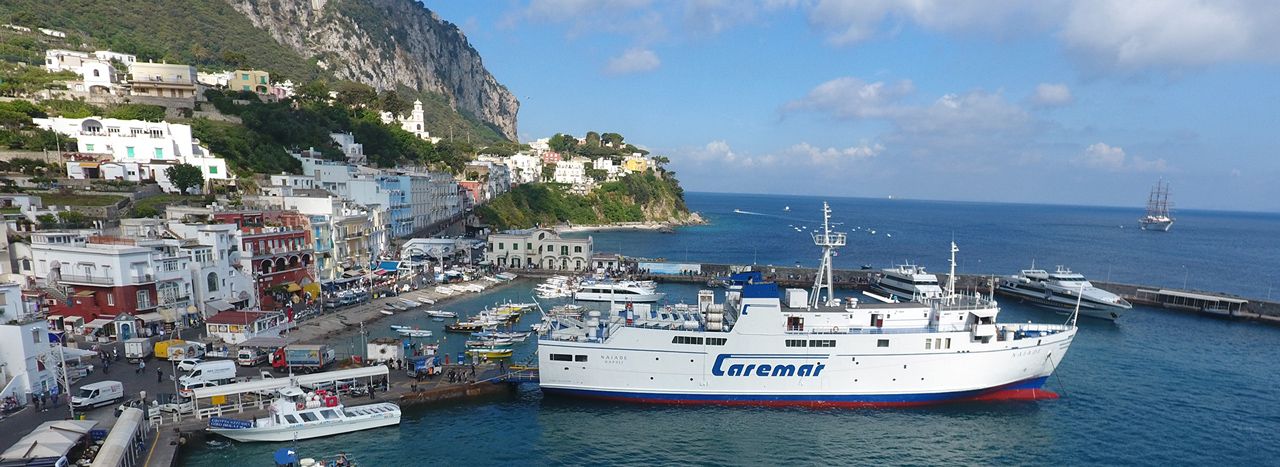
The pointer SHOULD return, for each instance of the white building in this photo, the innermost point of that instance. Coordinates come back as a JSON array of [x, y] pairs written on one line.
[[525, 168], [98, 75], [538, 248], [571, 172], [414, 123], [28, 361], [353, 150], [216, 79], [53, 33], [606, 164], [133, 150]]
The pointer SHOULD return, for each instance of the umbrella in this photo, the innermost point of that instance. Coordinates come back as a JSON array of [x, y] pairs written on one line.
[[286, 456]]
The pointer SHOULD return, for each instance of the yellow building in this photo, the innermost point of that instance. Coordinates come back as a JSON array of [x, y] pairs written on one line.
[[250, 80], [635, 164]]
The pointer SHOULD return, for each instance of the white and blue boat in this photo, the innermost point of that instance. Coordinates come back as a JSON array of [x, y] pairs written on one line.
[[764, 346]]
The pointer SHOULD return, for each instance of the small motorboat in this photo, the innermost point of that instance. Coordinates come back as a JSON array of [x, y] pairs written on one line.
[[465, 327], [491, 352], [414, 332], [441, 314], [397, 327], [386, 312]]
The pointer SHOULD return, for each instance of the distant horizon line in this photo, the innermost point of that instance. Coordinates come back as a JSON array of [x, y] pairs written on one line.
[[896, 198]]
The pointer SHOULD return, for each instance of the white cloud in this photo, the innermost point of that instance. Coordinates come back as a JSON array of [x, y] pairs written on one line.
[[835, 156], [1052, 95], [850, 97], [849, 22], [1136, 34], [636, 60], [1113, 158]]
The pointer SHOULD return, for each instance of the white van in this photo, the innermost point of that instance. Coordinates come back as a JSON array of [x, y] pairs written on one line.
[[98, 394], [213, 370]]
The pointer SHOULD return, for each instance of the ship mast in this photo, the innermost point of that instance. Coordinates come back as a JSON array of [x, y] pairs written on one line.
[[951, 278], [829, 241]]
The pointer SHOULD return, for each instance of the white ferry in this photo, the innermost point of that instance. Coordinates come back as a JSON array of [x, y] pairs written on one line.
[[908, 282], [297, 415], [1061, 291], [620, 292], [756, 348]]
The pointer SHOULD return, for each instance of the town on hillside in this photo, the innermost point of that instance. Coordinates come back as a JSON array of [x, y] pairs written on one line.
[[127, 216]]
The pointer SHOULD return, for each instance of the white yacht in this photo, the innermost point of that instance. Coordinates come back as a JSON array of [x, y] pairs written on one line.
[[1061, 290], [621, 291], [295, 415], [908, 282]]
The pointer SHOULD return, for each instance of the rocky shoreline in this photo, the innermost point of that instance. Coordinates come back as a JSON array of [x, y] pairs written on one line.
[[693, 219]]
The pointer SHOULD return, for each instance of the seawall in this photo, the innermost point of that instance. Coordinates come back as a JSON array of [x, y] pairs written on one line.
[[860, 279]]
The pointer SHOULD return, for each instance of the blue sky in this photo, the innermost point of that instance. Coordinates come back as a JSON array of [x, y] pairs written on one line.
[[1056, 101]]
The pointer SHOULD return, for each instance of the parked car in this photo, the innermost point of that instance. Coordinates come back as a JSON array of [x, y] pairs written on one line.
[[172, 403], [187, 364], [193, 385]]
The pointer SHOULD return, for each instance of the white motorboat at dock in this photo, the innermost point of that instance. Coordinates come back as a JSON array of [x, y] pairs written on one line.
[[297, 415]]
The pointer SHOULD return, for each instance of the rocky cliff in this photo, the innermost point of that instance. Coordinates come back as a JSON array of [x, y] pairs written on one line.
[[386, 44]]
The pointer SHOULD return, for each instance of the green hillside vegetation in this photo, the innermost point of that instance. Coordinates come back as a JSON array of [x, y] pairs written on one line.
[[640, 197], [205, 33], [259, 144]]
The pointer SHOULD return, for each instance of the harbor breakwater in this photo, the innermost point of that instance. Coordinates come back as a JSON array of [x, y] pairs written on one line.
[[861, 279]]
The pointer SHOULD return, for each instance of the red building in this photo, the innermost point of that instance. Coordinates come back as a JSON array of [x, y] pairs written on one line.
[[277, 249]]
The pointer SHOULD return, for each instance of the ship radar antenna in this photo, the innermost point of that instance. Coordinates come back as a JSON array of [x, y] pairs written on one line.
[[951, 278], [829, 241]]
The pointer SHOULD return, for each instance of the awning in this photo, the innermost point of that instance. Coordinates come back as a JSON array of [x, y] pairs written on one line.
[[53, 317], [98, 323], [117, 444], [218, 305], [313, 289], [389, 266], [84, 293], [293, 287], [152, 317], [88, 165], [50, 439]]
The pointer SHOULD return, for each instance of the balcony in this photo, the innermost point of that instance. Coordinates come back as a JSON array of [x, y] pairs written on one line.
[[105, 281]]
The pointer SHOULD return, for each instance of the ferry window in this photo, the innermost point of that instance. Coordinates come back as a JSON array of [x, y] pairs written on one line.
[[822, 343], [928, 344], [937, 343], [686, 340], [882, 343], [948, 342], [290, 419], [716, 340], [329, 414], [308, 416], [795, 343], [560, 357], [579, 358]]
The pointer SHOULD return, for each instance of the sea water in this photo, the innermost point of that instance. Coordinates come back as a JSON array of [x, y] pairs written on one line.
[[1157, 387]]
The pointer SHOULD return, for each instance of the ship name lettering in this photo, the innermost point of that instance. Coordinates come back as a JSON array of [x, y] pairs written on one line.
[[763, 369]]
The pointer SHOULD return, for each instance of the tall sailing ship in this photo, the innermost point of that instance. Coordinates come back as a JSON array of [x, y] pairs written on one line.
[[765, 346], [1158, 217]]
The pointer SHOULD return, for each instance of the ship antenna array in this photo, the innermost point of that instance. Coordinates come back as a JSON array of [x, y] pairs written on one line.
[[951, 278], [829, 241]]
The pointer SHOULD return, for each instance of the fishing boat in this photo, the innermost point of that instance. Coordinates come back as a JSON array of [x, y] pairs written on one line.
[[397, 327], [441, 314], [514, 336], [410, 303], [397, 307], [464, 327], [482, 343], [386, 312], [414, 332], [296, 415], [506, 276], [491, 352]]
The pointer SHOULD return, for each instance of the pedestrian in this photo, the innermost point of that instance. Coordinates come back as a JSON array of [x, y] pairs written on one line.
[[115, 354], [106, 367], [142, 366], [38, 401], [44, 401], [159, 375]]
